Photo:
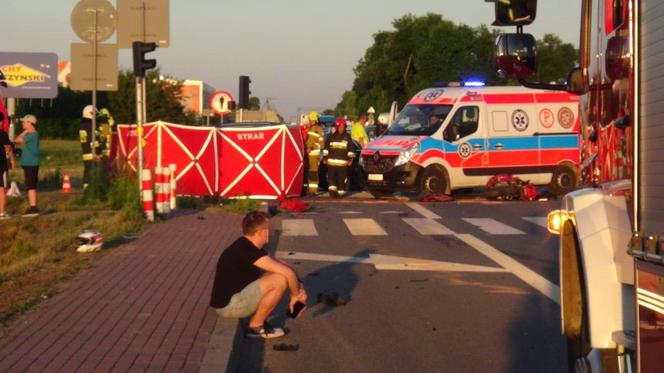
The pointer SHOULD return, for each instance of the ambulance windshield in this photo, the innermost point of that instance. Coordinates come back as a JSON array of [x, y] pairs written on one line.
[[419, 120]]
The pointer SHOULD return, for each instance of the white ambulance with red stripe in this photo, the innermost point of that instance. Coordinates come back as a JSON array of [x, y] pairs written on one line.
[[454, 137]]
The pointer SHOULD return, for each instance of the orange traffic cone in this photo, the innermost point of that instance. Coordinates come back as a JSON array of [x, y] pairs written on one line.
[[66, 184]]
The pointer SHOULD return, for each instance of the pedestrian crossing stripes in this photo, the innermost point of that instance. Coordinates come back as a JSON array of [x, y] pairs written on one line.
[[298, 227], [427, 226], [492, 226], [364, 227], [539, 220], [306, 227]]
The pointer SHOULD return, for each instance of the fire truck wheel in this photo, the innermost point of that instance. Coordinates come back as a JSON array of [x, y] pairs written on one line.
[[432, 181], [563, 180], [574, 312]]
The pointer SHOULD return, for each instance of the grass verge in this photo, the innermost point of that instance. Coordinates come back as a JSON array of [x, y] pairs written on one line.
[[38, 254]]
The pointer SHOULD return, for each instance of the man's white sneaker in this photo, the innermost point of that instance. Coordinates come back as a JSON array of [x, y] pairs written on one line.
[[265, 332]]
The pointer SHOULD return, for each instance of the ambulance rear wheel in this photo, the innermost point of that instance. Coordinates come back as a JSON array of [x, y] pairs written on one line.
[[432, 181], [563, 180]]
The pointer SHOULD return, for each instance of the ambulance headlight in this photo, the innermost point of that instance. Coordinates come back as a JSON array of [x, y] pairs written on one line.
[[405, 156]]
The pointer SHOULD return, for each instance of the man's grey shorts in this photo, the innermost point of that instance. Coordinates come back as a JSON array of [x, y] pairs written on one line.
[[243, 303]]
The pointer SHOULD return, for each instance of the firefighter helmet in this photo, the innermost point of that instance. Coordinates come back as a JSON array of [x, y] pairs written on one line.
[[89, 241], [89, 111], [340, 122], [313, 116]]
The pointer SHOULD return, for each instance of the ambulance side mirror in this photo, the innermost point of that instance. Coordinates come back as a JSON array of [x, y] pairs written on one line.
[[451, 133], [515, 56], [576, 82]]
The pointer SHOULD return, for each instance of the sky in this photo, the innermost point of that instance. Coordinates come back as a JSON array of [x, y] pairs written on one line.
[[299, 54]]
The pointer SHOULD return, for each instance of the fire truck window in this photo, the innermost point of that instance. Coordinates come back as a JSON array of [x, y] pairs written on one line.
[[500, 121], [467, 120]]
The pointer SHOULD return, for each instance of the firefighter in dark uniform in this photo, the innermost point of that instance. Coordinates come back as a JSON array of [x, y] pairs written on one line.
[[85, 135], [314, 146], [339, 153]]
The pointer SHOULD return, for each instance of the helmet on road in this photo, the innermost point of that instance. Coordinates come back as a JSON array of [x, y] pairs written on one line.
[[89, 111], [313, 116]]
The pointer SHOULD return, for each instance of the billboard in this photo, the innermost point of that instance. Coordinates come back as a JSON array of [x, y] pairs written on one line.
[[29, 75]]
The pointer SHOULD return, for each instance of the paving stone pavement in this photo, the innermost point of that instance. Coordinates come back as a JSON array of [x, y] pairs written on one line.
[[142, 307]]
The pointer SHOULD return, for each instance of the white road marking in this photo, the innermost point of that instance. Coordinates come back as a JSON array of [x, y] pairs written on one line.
[[527, 275], [492, 226], [391, 212], [349, 212], [298, 227], [393, 263], [364, 227], [427, 226], [423, 210], [539, 220]]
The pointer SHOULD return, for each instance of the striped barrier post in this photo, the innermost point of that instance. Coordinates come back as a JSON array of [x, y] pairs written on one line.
[[148, 204], [173, 187], [158, 189], [166, 189]]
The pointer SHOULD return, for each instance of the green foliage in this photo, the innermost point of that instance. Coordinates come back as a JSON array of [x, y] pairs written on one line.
[[254, 103], [427, 49], [555, 59], [61, 116], [163, 98], [192, 203]]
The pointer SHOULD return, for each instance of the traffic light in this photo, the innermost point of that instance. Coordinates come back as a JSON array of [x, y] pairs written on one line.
[[244, 92], [141, 65]]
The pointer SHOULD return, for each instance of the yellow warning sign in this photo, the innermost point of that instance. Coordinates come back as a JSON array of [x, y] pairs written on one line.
[[18, 74]]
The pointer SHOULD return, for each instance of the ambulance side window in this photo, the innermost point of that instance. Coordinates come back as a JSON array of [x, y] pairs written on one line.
[[464, 122]]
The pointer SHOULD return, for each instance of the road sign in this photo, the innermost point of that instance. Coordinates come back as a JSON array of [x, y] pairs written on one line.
[[85, 25], [219, 102], [81, 67], [143, 20], [29, 75]]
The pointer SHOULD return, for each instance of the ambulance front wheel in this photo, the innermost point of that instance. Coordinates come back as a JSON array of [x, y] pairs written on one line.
[[432, 181], [563, 180]]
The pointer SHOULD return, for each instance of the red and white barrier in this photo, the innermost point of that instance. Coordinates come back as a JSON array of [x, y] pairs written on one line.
[[173, 187], [158, 189], [166, 189], [148, 204]]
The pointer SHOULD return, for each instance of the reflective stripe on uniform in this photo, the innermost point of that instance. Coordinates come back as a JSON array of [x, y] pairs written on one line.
[[315, 152], [312, 185], [88, 157], [313, 134], [325, 152], [339, 144], [83, 136], [337, 162], [351, 155], [341, 192], [332, 188]]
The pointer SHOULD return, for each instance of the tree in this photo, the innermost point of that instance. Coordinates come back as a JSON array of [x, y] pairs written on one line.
[[555, 59], [254, 103], [163, 98], [427, 49]]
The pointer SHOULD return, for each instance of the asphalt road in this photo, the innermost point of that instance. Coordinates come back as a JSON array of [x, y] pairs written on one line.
[[476, 292]]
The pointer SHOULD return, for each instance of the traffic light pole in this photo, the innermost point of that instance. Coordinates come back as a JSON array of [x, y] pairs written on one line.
[[140, 118]]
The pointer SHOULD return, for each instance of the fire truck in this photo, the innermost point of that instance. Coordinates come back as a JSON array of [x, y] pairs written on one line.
[[611, 255]]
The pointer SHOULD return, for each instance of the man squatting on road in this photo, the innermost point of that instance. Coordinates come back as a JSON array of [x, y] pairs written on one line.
[[248, 281]]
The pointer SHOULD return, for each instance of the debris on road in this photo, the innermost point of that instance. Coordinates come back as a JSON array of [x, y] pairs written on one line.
[[286, 347], [331, 299], [437, 197]]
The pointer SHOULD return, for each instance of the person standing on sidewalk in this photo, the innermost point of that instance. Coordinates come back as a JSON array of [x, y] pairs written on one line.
[[7, 162], [30, 158], [339, 153], [250, 282]]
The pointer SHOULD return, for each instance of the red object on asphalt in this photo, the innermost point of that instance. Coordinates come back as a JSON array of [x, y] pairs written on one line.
[[294, 205], [437, 197]]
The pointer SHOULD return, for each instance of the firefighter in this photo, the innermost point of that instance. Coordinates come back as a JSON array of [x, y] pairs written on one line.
[[315, 143], [339, 153], [106, 128], [85, 135]]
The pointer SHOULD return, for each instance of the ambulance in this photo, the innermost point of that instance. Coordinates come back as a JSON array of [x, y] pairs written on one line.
[[455, 137]]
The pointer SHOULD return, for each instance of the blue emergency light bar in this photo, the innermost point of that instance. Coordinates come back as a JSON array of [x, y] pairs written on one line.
[[474, 83]]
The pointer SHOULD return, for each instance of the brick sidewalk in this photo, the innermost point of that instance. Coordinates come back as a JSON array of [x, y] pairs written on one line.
[[144, 306]]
